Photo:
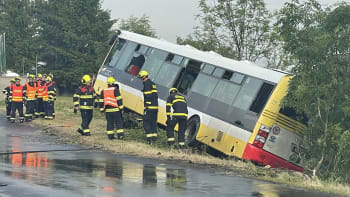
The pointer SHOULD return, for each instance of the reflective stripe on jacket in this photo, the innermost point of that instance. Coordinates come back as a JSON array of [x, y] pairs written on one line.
[[17, 93], [31, 91]]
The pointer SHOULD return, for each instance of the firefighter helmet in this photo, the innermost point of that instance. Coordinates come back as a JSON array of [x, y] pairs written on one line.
[[51, 75], [31, 76], [110, 80], [39, 75], [48, 78], [85, 79], [17, 79], [13, 80], [142, 74], [173, 90]]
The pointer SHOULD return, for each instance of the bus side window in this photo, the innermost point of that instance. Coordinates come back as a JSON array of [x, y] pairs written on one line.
[[187, 76], [137, 60], [262, 97], [167, 74], [116, 52], [204, 85], [125, 56], [247, 93], [154, 62]]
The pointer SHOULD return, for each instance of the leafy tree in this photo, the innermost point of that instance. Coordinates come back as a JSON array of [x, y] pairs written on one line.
[[17, 22], [141, 25], [238, 29], [74, 38], [319, 40]]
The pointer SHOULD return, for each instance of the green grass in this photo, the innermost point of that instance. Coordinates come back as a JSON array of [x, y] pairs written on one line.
[[66, 124]]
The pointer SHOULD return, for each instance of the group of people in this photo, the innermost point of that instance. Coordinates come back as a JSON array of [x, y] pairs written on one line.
[[38, 95], [111, 104]]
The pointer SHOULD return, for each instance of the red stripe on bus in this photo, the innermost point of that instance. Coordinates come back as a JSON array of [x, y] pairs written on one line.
[[261, 156]]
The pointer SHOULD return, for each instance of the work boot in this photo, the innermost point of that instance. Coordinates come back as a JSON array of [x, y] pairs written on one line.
[[154, 139], [80, 131], [87, 134], [12, 120], [111, 136], [8, 118], [149, 141], [171, 143], [21, 120], [120, 136]]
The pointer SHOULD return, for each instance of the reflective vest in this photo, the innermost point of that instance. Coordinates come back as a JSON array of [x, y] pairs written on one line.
[[109, 97], [40, 89], [17, 93], [45, 93], [31, 92]]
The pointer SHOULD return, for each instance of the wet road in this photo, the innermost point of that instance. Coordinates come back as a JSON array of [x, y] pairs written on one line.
[[75, 172]]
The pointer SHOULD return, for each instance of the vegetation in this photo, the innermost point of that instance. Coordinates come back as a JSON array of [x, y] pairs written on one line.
[[141, 25], [319, 40]]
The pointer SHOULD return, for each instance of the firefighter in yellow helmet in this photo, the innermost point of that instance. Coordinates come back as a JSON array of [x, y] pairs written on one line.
[[17, 94], [83, 100], [111, 102], [30, 99], [54, 86], [40, 84], [6, 91], [179, 116], [150, 95], [51, 92]]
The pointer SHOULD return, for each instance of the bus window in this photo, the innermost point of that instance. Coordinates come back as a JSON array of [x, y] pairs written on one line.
[[187, 76], [175, 59], [167, 74], [227, 75], [154, 62], [125, 56], [208, 69], [247, 93], [262, 97], [218, 72], [137, 60], [117, 51], [226, 92], [204, 84], [237, 78]]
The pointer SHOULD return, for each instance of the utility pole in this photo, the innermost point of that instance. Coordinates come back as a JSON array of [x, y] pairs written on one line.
[[36, 65]]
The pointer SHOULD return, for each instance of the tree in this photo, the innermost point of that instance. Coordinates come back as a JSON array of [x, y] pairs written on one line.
[[16, 20], [238, 29], [74, 38], [140, 25], [319, 40]]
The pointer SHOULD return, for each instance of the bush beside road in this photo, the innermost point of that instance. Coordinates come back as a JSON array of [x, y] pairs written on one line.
[[66, 123]]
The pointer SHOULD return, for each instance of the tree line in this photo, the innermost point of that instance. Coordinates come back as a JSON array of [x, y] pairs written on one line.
[[310, 41]]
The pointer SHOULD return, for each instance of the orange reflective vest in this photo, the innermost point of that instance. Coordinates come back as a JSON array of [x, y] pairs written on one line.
[[45, 93], [40, 89], [109, 97], [17, 93], [31, 92]]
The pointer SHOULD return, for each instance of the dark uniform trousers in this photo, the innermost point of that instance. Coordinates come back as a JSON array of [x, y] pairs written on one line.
[[150, 124], [49, 109], [39, 107], [17, 106], [30, 106], [8, 109], [115, 120], [182, 121], [86, 117]]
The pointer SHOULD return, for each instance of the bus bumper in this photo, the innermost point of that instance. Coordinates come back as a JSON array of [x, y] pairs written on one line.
[[261, 156]]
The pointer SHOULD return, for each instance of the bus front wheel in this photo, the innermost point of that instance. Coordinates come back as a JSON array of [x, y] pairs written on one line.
[[191, 132]]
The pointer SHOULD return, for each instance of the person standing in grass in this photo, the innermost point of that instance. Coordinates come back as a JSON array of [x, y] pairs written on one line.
[[6, 91], [83, 100], [111, 102], [150, 95]]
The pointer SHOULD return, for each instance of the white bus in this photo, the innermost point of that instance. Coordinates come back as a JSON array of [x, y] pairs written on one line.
[[234, 106]]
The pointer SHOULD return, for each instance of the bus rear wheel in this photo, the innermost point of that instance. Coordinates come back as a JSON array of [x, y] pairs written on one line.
[[192, 131]]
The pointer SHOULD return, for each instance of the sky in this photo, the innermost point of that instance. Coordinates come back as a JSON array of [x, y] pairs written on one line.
[[171, 18]]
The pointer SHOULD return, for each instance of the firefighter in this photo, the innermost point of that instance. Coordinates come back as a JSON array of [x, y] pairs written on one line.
[[179, 116], [49, 88], [17, 94], [55, 90], [40, 90], [6, 91], [83, 99], [111, 102], [30, 100], [150, 95]]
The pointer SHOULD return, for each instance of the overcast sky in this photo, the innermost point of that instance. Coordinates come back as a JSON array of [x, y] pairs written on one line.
[[171, 18]]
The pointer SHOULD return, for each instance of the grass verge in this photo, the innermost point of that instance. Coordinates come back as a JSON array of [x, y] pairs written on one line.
[[66, 124]]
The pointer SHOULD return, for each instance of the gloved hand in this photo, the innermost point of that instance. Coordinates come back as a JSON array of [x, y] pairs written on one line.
[[75, 111]]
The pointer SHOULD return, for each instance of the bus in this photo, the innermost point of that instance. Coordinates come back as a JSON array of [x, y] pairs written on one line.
[[234, 106]]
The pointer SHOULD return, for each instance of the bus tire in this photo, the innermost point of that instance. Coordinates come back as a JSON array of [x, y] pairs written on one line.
[[191, 132]]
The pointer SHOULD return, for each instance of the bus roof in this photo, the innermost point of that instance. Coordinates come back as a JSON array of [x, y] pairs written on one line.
[[213, 58]]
